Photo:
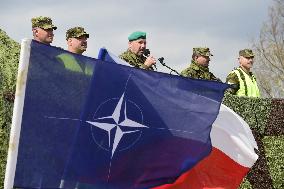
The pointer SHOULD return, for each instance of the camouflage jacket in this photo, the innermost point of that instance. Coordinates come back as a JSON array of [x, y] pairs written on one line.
[[197, 71], [134, 60]]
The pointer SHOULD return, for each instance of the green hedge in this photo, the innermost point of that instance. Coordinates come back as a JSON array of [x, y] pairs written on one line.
[[265, 117], [9, 58]]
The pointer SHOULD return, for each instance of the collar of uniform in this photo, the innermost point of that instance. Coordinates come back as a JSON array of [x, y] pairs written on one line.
[[133, 54], [135, 57], [197, 66]]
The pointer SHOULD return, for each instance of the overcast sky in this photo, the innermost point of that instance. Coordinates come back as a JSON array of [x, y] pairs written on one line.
[[173, 27]]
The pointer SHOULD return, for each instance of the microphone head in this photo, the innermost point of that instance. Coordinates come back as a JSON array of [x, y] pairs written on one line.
[[146, 52], [161, 59]]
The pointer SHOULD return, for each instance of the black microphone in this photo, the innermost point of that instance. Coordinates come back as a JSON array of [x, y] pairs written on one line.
[[146, 54], [161, 60]]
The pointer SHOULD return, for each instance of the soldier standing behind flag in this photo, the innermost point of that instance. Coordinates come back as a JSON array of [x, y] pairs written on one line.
[[76, 38], [136, 48], [242, 78], [42, 28], [198, 68]]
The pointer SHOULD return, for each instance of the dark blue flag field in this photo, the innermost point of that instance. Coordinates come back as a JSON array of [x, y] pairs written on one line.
[[89, 123]]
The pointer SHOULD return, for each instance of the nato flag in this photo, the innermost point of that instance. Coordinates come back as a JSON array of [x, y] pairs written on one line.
[[140, 128], [88, 123]]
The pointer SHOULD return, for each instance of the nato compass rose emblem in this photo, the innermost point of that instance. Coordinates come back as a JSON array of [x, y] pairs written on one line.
[[116, 131]]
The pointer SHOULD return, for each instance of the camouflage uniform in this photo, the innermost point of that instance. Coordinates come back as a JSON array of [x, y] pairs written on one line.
[[233, 78], [42, 29], [134, 60], [197, 71], [43, 22], [69, 60], [76, 32]]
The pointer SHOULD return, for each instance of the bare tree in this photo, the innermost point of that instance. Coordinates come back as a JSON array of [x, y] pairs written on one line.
[[269, 49]]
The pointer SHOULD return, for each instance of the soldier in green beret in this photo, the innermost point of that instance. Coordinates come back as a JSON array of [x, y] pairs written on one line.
[[198, 68], [242, 79], [42, 28], [136, 48], [77, 40]]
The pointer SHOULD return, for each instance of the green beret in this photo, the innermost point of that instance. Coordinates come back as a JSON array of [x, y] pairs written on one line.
[[246, 53], [76, 32], [137, 35], [43, 22], [203, 51]]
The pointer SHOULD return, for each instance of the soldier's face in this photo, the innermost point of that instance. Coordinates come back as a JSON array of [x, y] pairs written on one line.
[[77, 45], [246, 62], [138, 46], [202, 60], [43, 35]]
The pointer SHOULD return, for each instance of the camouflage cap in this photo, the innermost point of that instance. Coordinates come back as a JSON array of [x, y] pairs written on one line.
[[137, 35], [42, 22], [76, 32], [203, 51], [246, 53]]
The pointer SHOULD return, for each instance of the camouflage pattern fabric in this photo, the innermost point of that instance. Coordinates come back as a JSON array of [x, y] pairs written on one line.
[[134, 60], [76, 32], [246, 53], [255, 111], [197, 71], [265, 118], [42, 22], [233, 79], [203, 51]]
